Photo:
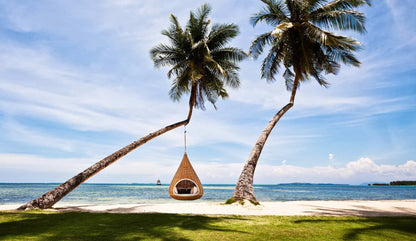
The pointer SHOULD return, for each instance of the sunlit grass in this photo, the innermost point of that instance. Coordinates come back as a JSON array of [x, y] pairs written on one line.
[[38, 225]]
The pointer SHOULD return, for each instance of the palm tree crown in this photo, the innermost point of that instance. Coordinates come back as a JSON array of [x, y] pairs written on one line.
[[299, 42], [201, 63]]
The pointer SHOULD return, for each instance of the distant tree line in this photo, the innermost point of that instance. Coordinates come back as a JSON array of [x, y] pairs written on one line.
[[403, 183], [395, 183]]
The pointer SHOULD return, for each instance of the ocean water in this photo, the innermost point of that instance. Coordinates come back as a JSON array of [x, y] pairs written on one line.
[[12, 193]]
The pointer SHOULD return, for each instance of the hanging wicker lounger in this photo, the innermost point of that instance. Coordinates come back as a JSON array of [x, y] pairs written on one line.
[[185, 185]]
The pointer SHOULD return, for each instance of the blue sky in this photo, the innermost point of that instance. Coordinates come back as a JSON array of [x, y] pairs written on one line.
[[77, 83]]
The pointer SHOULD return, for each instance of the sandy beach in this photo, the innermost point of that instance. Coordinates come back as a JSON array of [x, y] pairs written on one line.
[[329, 208]]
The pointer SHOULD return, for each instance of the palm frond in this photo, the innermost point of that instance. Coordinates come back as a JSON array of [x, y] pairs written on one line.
[[200, 97], [175, 26], [178, 68], [228, 54], [174, 32], [180, 85], [312, 5], [289, 77], [228, 75], [330, 39], [166, 50], [221, 34], [198, 57], [211, 63], [320, 79], [340, 20], [198, 22], [258, 44], [163, 55], [272, 61], [299, 42], [232, 79], [274, 13], [337, 5], [213, 89], [343, 55], [228, 65]]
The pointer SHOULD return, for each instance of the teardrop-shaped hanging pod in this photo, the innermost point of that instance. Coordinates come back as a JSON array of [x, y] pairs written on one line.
[[185, 184]]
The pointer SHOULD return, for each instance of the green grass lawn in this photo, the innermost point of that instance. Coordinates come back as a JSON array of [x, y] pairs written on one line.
[[38, 225]]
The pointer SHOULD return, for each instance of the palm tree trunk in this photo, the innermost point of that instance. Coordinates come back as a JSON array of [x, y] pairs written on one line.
[[48, 199], [244, 188]]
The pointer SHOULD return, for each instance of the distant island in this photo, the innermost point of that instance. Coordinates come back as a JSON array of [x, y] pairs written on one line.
[[310, 184], [403, 183], [380, 184], [395, 183]]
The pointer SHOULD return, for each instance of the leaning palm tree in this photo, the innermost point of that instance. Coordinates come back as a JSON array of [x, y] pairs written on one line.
[[201, 65], [300, 45]]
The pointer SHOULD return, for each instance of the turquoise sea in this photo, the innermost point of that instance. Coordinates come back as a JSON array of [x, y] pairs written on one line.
[[12, 193]]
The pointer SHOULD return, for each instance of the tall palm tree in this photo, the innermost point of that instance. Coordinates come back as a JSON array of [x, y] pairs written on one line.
[[300, 45], [201, 65]]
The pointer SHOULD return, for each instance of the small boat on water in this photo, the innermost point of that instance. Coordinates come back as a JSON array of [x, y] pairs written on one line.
[[158, 182]]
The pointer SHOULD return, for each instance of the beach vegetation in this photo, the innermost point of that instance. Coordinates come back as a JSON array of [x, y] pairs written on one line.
[[241, 201], [202, 65], [255, 203], [231, 200], [301, 47]]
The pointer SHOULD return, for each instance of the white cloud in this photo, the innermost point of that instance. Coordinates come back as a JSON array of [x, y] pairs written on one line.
[[404, 19], [130, 170], [36, 85], [355, 172], [32, 168], [349, 95], [330, 156]]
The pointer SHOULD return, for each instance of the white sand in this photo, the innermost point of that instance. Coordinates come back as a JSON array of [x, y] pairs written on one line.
[[332, 208]]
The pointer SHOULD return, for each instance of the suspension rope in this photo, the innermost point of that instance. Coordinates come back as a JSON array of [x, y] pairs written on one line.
[[184, 136]]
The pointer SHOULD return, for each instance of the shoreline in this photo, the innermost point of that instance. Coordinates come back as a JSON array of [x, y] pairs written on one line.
[[359, 208]]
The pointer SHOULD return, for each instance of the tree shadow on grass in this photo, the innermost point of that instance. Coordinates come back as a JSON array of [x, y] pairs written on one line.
[[362, 211], [105, 226], [375, 228]]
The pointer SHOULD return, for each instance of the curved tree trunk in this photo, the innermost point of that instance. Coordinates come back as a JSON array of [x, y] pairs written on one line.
[[244, 188], [48, 199]]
